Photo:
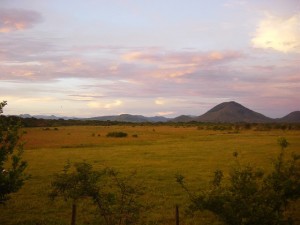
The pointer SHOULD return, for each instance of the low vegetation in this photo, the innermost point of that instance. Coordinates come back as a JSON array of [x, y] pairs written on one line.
[[117, 199], [251, 196], [117, 134], [12, 166]]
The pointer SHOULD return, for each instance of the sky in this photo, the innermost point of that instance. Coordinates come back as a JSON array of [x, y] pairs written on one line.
[[87, 58]]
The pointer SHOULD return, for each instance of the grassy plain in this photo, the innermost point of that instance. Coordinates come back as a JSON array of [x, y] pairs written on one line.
[[157, 154]]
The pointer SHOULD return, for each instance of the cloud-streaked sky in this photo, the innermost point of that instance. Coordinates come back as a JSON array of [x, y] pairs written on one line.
[[152, 57]]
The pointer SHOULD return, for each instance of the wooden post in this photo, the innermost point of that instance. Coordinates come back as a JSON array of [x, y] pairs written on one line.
[[73, 219], [177, 215]]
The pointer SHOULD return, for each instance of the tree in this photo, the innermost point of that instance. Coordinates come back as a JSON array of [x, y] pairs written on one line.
[[116, 198], [119, 202], [251, 197], [81, 183], [12, 166]]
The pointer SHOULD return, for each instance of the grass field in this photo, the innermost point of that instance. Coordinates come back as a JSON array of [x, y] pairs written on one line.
[[157, 153]]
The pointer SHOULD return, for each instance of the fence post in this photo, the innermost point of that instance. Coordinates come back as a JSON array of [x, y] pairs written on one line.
[[177, 215], [73, 219]]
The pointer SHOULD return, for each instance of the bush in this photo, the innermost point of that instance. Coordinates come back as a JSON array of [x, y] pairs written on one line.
[[116, 134], [118, 198], [251, 197]]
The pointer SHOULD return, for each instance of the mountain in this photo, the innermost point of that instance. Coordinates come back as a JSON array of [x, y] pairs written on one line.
[[25, 116], [183, 119], [131, 118], [45, 117], [120, 118], [232, 112], [156, 119], [293, 117], [226, 112]]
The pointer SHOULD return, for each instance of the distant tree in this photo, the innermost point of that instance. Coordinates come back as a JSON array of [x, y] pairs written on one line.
[[252, 197], [12, 166]]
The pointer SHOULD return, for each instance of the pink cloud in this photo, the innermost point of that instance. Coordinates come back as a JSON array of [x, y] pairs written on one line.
[[182, 58], [162, 64], [150, 73], [17, 19]]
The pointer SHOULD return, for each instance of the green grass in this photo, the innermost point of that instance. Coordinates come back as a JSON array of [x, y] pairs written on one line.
[[157, 154]]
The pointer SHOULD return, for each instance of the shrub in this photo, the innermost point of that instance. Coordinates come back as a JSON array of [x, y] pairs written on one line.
[[116, 134], [251, 197], [117, 198]]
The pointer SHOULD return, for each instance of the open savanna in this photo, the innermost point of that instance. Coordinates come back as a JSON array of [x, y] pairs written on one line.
[[156, 153]]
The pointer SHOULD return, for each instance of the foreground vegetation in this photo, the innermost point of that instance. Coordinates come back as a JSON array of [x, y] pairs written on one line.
[[250, 196], [155, 152], [12, 166]]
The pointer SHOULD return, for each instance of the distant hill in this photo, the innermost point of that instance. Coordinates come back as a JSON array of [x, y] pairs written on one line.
[[293, 117], [45, 117], [232, 112], [119, 118], [158, 119], [131, 118], [182, 119]]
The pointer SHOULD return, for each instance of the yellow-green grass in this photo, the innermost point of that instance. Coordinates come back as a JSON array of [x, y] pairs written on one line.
[[157, 154]]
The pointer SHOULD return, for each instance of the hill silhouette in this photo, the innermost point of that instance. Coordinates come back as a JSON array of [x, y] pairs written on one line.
[[293, 117], [182, 119], [226, 112], [131, 118], [232, 112]]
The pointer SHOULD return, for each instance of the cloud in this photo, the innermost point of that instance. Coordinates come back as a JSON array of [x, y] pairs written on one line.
[[29, 100], [84, 97], [94, 105], [280, 34], [110, 105], [234, 3], [182, 57], [176, 64], [116, 103], [32, 59], [159, 101], [17, 19], [164, 113]]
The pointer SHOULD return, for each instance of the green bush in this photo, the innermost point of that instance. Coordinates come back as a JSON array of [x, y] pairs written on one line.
[[116, 134], [252, 197]]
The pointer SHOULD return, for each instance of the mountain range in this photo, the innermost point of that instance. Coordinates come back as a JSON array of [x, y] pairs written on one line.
[[226, 112], [131, 118]]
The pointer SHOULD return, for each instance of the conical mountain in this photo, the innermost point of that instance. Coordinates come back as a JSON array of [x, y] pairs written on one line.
[[232, 112]]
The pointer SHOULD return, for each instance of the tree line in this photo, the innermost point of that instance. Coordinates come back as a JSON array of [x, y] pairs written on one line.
[[39, 122]]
